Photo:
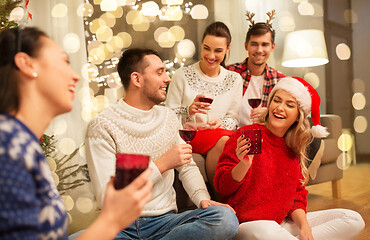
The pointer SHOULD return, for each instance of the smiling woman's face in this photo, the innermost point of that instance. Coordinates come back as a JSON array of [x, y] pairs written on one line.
[[283, 112]]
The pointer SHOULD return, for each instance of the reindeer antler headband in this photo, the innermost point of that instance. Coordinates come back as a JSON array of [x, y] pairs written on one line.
[[268, 22]]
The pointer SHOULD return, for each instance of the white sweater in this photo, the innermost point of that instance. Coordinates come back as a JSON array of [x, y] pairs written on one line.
[[187, 82], [122, 128]]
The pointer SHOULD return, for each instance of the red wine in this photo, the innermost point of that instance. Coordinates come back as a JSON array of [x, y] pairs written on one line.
[[128, 167], [206, 100], [125, 176], [254, 102], [187, 135]]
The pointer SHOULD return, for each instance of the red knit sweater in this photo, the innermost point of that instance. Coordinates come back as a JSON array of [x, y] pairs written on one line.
[[271, 188]]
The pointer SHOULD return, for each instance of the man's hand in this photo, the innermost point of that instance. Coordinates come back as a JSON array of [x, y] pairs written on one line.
[[175, 157], [257, 114], [208, 203]]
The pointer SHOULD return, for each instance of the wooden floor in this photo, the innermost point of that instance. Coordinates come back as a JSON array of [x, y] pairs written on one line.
[[355, 195]]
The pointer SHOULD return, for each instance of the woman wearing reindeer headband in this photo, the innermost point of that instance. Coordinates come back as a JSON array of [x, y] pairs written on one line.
[[267, 190]]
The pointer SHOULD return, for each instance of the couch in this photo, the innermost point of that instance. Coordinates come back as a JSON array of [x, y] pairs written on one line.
[[322, 168]]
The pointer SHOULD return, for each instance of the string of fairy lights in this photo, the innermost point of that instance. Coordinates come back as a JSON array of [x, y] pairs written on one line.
[[104, 45]]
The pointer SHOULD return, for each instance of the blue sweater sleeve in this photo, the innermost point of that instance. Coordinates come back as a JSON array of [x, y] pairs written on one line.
[[19, 207]]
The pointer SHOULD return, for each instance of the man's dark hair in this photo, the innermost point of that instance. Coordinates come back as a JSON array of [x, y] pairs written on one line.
[[258, 29], [132, 60]]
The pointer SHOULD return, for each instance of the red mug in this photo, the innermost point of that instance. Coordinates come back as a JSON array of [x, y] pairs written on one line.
[[128, 167], [255, 136]]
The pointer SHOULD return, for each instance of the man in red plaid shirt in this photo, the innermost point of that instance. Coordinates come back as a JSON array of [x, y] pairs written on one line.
[[259, 78]]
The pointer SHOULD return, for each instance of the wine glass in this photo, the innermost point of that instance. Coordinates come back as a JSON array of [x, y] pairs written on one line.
[[188, 127], [254, 102], [208, 98]]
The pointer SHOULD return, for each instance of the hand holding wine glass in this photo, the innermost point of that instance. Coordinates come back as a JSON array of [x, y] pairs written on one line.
[[188, 128], [254, 102]]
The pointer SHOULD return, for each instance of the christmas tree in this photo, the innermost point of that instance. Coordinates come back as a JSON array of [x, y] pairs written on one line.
[[6, 7]]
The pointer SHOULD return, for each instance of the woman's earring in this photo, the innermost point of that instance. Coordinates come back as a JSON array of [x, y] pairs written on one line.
[[35, 75]]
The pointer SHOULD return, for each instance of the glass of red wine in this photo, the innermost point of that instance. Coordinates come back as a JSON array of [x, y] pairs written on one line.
[[128, 167], [254, 102], [188, 127], [208, 98]]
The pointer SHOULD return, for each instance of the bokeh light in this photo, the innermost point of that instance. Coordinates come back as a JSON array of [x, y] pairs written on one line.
[[109, 19], [59, 126], [16, 14], [96, 24], [126, 38], [166, 40], [313, 79], [114, 80], [344, 161], [84, 205], [85, 10], [118, 13], [343, 51], [150, 8], [350, 16], [116, 43], [68, 202], [306, 8], [178, 32], [131, 16], [186, 48], [172, 2], [59, 10], [89, 71], [67, 146], [345, 142], [171, 13], [55, 178], [158, 32], [126, 2], [71, 43], [100, 102], [358, 101], [141, 24], [199, 11], [286, 22], [360, 124], [104, 33], [97, 55], [52, 164], [108, 5]]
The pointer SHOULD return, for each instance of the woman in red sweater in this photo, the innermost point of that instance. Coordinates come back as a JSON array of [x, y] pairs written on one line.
[[267, 190]]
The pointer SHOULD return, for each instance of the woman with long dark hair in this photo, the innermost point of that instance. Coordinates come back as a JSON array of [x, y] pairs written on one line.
[[37, 83]]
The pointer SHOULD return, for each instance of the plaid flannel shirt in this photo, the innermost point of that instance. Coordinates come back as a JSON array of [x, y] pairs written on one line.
[[272, 76]]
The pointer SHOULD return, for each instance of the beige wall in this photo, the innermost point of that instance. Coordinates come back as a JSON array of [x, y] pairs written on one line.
[[361, 61]]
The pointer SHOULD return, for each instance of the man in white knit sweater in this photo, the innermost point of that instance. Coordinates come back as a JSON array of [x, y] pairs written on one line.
[[136, 124]]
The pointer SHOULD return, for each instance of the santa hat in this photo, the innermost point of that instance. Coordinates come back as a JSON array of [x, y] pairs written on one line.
[[307, 98]]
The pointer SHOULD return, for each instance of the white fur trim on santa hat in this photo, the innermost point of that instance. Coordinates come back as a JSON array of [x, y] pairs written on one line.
[[319, 131], [297, 90]]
